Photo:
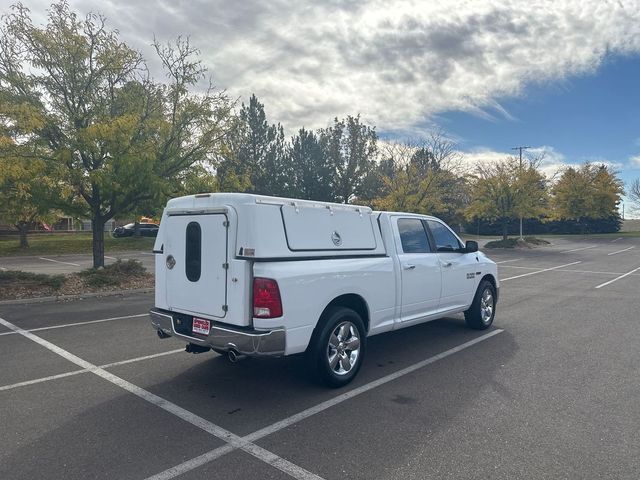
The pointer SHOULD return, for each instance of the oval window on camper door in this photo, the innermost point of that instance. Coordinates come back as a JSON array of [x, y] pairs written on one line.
[[193, 255]]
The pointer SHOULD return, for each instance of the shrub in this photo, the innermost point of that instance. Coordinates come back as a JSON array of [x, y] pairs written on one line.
[[114, 274], [16, 277]]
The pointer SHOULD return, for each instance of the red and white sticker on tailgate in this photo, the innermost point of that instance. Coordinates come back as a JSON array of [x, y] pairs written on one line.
[[201, 326]]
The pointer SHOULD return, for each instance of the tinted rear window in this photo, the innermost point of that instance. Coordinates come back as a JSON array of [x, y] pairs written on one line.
[[413, 236], [193, 256]]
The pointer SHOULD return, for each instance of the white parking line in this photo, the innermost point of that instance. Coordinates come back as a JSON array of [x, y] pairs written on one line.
[[42, 379], [616, 239], [52, 327], [620, 251], [539, 271], [84, 370], [3, 269], [209, 427], [505, 261], [569, 270], [618, 278], [58, 261], [578, 249], [287, 422], [110, 258]]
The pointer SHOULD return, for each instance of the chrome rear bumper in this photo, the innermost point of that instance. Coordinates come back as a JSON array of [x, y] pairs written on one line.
[[246, 342]]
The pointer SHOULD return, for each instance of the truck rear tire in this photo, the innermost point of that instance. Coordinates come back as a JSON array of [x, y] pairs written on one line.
[[337, 348], [483, 309]]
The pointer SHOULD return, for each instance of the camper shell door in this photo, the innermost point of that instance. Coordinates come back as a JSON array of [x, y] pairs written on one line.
[[196, 254]]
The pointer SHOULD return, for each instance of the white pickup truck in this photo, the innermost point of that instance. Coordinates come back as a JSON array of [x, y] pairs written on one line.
[[248, 275]]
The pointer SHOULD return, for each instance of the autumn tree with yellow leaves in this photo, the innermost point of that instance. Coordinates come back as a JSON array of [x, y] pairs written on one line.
[[79, 103], [506, 190]]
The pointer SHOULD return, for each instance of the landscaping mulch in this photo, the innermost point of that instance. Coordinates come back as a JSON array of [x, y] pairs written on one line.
[[127, 275]]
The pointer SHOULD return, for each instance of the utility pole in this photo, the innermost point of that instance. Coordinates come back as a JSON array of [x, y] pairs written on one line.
[[520, 149]]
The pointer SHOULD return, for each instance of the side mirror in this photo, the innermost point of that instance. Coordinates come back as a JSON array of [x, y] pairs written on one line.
[[471, 246]]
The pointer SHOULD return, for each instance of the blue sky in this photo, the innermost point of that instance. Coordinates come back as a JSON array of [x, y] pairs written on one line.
[[493, 74], [593, 116]]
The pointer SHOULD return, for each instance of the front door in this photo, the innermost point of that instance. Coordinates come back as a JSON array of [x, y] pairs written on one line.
[[458, 268]]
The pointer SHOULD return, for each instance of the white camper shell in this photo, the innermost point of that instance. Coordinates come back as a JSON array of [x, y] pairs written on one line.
[[255, 275]]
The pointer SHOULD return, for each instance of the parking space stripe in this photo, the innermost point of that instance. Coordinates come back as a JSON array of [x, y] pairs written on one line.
[[139, 359], [88, 322], [84, 370], [287, 422], [505, 261], [58, 261], [620, 251], [42, 379], [616, 239], [193, 463], [618, 278], [539, 271], [570, 270], [189, 417], [578, 249]]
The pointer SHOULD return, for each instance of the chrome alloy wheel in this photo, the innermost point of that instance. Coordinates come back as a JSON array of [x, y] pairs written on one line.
[[343, 349], [486, 306]]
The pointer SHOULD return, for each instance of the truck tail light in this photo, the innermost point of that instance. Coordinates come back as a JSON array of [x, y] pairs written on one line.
[[266, 298]]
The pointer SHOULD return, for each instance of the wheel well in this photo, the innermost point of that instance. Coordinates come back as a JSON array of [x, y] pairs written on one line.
[[354, 302], [490, 278]]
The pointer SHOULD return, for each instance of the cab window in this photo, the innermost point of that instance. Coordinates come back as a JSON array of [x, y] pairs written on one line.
[[444, 238], [413, 236]]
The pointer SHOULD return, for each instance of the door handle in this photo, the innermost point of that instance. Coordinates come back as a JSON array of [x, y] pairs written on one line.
[[409, 267], [447, 264]]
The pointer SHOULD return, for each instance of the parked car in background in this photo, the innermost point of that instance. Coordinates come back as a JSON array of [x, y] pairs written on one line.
[[146, 230]]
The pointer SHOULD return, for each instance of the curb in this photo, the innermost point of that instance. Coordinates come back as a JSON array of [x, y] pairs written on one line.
[[80, 296]]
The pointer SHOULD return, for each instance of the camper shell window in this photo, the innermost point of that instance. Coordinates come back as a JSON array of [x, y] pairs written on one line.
[[193, 254]]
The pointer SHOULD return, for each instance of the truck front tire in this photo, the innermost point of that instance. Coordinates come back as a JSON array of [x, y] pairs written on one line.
[[483, 309], [337, 347]]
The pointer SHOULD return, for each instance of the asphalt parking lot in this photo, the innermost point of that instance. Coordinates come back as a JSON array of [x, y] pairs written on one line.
[[63, 264], [87, 390]]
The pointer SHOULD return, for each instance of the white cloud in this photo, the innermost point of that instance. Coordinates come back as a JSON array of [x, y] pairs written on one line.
[[635, 161], [552, 162], [397, 62]]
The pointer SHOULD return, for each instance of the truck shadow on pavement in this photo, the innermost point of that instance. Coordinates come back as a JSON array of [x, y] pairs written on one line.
[[255, 393]]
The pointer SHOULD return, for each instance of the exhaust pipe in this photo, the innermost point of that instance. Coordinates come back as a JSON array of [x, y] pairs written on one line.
[[193, 348], [235, 357], [161, 334]]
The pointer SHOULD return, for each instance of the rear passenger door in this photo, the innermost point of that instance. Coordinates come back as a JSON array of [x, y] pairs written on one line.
[[419, 270], [458, 268]]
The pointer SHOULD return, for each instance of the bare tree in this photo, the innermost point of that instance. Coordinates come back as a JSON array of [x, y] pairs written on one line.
[[634, 194]]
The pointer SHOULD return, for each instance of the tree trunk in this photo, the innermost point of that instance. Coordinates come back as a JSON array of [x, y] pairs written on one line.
[[97, 230], [136, 229], [23, 228], [505, 228]]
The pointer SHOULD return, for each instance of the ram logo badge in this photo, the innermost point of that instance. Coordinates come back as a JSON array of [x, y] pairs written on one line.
[[336, 239]]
